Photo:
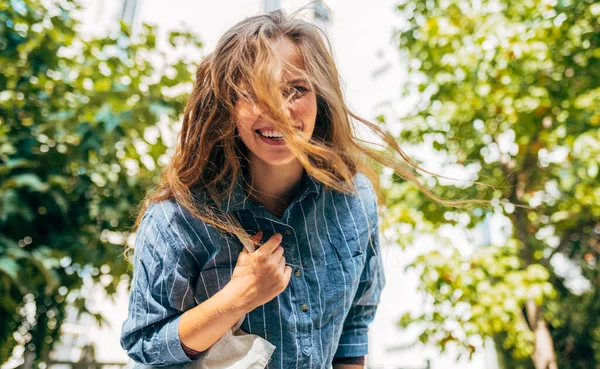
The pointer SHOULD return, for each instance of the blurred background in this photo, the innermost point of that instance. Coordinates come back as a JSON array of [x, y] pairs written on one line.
[[502, 92]]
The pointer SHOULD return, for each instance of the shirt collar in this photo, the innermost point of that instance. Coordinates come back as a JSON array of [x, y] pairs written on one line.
[[240, 201]]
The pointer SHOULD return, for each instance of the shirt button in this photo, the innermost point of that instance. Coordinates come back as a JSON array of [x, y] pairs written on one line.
[[297, 273], [287, 232], [304, 308]]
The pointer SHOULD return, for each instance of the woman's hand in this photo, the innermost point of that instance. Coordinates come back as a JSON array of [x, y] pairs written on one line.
[[262, 275]]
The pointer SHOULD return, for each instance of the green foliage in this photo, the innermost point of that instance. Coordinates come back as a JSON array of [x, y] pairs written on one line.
[[79, 144], [482, 294], [512, 89]]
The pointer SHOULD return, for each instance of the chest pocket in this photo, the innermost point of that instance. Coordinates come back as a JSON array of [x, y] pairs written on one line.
[[344, 270], [347, 230], [348, 246]]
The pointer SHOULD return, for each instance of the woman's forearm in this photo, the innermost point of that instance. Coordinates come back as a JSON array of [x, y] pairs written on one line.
[[203, 325]]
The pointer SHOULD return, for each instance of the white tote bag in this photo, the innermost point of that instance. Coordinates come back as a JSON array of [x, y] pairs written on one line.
[[235, 350]]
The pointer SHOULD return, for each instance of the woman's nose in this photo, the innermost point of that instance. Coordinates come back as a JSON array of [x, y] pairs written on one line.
[[287, 111], [287, 106]]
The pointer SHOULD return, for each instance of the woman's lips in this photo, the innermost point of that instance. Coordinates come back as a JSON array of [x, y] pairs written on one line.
[[273, 128]]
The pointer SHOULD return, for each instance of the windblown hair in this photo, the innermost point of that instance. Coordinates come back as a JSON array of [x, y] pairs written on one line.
[[245, 67]]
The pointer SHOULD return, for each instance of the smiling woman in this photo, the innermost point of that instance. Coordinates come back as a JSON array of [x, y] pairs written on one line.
[[268, 154], [266, 149]]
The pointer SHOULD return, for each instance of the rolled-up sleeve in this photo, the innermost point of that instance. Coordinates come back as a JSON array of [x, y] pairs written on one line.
[[354, 339], [162, 289]]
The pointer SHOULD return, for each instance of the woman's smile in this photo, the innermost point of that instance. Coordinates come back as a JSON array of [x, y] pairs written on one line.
[[273, 137], [270, 137]]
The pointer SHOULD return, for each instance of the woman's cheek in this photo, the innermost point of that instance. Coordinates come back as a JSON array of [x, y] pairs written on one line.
[[307, 110], [246, 116]]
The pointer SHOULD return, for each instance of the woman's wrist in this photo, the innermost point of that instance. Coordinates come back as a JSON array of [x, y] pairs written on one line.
[[238, 295]]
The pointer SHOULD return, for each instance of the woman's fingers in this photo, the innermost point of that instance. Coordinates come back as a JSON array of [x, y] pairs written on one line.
[[268, 247], [278, 253], [282, 263], [257, 237]]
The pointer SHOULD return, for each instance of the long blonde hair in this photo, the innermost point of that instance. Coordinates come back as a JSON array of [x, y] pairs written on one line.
[[209, 155]]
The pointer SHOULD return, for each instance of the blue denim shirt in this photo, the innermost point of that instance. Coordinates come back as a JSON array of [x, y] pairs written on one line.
[[331, 239]]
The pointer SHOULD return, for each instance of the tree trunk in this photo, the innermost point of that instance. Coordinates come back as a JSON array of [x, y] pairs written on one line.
[[543, 356]]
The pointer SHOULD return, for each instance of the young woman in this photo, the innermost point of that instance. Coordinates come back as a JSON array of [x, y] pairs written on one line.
[[266, 149]]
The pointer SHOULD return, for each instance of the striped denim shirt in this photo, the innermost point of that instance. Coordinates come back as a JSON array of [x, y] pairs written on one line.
[[330, 238]]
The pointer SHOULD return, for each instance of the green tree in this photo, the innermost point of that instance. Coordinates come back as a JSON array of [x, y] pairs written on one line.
[[79, 145], [510, 91]]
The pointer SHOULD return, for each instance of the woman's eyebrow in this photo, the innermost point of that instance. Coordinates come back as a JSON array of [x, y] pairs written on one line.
[[296, 80]]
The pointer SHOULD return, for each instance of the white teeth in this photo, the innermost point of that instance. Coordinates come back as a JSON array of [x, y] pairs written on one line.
[[270, 133]]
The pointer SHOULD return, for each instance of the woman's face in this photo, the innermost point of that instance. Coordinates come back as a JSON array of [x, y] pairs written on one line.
[[302, 108]]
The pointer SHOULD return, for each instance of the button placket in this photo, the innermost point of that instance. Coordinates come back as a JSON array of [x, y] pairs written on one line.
[[305, 321]]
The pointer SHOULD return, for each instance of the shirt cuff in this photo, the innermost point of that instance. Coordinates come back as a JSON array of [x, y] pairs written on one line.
[[357, 360], [174, 348], [190, 352], [352, 345]]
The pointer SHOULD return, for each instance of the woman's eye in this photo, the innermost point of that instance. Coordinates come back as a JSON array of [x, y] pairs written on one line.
[[301, 88], [296, 91]]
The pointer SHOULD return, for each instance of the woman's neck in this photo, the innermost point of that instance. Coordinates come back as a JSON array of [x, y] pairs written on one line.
[[275, 186]]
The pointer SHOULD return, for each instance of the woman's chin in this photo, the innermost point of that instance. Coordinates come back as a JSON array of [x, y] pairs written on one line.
[[275, 158]]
